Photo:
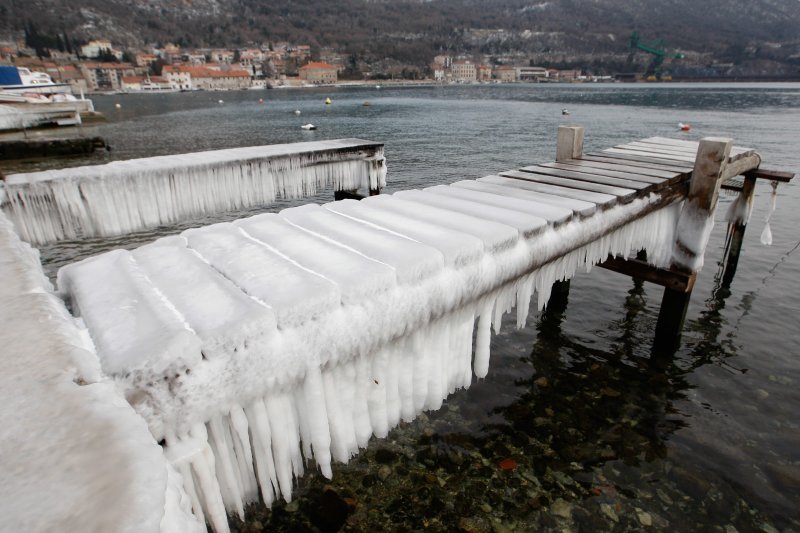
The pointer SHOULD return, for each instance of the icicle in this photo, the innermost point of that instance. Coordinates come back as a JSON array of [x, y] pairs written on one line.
[[223, 452], [766, 235], [377, 395], [203, 466], [244, 453], [262, 447], [361, 420], [314, 394], [483, 341]]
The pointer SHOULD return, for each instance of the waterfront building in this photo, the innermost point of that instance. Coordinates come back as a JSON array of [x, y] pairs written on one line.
[[463, 70], [319, 73]]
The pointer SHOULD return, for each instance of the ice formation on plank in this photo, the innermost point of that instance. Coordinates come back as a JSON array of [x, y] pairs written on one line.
[[70, 438], [398, 283], [126, 196]]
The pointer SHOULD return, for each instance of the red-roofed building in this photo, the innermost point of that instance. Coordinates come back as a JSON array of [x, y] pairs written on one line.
[[185, 77], [319, 73]]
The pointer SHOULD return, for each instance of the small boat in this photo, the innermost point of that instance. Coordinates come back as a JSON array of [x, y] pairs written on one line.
[[328, 101], [684, 127], [366, 104], [565, 111], [308, 126]]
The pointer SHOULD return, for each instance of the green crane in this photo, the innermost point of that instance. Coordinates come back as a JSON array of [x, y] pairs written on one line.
[[656, 48]]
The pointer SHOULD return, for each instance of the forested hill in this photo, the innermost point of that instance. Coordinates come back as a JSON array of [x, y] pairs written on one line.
[[412, 31]]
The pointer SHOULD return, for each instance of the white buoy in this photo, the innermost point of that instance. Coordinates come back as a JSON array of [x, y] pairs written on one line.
[[221, 101], [296, 111], [117, 106]]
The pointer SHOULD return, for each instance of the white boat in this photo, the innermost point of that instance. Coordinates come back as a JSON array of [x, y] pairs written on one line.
[[21, 80]]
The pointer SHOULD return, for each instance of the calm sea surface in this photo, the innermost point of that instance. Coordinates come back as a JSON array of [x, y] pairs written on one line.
[[576, 426]]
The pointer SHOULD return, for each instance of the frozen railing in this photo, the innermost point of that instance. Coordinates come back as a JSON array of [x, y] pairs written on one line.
[[126, 196]]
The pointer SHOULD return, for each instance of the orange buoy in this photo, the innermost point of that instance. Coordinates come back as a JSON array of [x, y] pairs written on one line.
[[684, 127]]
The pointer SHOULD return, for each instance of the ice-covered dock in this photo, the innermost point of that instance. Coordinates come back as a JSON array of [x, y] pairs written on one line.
[[125, 196], [257, 349]]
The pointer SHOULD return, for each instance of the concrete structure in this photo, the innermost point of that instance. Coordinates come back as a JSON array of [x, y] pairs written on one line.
[[319, 73]]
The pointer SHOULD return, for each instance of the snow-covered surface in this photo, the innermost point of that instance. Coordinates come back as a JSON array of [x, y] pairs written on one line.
[[321, 326], [74, 455], [125, 196]]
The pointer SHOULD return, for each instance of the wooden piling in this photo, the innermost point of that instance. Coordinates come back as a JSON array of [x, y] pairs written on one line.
[[736, 229], [569, 143], [694, 227]]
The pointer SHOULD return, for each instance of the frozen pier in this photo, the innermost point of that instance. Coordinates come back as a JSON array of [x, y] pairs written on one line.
[[257, 349], [126, 196]]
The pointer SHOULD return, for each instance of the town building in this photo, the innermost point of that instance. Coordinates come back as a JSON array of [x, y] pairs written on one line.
[[319, 73], [206, 78], [463, 70], [484, 72], [106, 76], [93, 49], [531, 73], [505, 73]]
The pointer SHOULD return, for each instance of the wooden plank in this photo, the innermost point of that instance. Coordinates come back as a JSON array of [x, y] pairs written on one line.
[[690, 146], [667, 149], [637, 162], [652, 155], [579, 207], [565, 171], [772, 175], [523, 181], [575, 165], [673, 279], [663, 175], [566, 178]]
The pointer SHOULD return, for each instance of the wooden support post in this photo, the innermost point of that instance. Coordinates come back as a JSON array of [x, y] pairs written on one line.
[[697, 216], [694, 228], [736, 228], [569, 144]]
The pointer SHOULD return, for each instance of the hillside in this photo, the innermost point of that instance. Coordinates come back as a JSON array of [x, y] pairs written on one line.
[[412, 31]]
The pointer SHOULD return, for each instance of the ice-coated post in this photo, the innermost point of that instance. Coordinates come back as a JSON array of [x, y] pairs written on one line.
[[736, 227], [691, 236], [569, 143], [697, 216]]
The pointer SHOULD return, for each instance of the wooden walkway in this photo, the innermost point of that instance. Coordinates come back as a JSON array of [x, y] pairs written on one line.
[[335, 322]]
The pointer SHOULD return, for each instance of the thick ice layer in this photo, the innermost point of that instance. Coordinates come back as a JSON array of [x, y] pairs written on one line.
[[126, 196], [495, 236], [528, 225], [411, 260], [577, 207], [356, 275], [399, 342], [552, 214], [224, 318], [295, 294], [134, 329], [74, 455], [458, 248]]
